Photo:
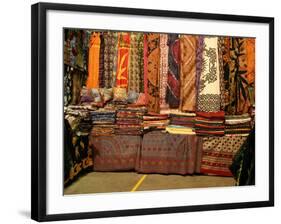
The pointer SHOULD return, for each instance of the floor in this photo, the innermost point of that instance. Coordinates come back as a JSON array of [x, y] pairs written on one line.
[[101, 182]]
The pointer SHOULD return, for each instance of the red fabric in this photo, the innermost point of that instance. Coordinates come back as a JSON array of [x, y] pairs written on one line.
[[145, 69], [219, 114]]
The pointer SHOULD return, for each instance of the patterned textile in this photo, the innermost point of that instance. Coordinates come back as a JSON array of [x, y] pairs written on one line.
[[67, 85], [123, 59], [110, 58], [153, 60], [115, 153], [77, 155], [163, 70], [210, 123], [238, 124], [239, 73], [145, 71], [221, 70], [153, 121], [173, 85], [136, 63], [101, 62], [208, 99], [167, 154], [243, 165], [218, 153], [93, 63], [188, 45]]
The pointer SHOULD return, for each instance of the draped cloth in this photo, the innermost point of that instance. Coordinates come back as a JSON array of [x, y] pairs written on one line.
[[101, 62], [168, 153], [93, 63], [110, 58], [136, 63], [163, 70], [123, 59], [145, 72], [209, 99], [173, 84], [153, 61], [239, 68], [218, 153], [188, 45]]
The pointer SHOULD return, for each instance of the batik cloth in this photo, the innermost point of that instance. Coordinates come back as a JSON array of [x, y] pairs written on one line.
[[93, 62], [167, 154], [110, 58], [163, 70], [115, 153], [188, 46], [239, 73], [209, 99], [218, 153], [136, 63], [123, 60], [153, 60], [173, 83]]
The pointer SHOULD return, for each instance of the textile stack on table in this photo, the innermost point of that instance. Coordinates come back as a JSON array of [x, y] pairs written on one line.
[[129, 121], [181, 123], [238, 124], [210, 123], [103, 122], [155, 121]]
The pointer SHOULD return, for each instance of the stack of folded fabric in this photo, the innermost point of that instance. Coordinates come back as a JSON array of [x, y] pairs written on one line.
[[154, 121], [129, 120], [79, 118], [181, 123], [210, 123], [103, 122], [237, 124]]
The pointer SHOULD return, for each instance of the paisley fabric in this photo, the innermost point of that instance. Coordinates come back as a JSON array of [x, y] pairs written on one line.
[[173, 84], [110, 58], [163, 70], [208, 99], [93, 63], [153, 60], [101, 62], [188, 45], [136, 63], [123, 60]]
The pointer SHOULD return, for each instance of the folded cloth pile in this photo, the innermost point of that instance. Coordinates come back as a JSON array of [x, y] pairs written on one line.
[[181, 123], [103, 122], [155, 121], [237, 124], [79, 118], [129, 120], [210, 123]]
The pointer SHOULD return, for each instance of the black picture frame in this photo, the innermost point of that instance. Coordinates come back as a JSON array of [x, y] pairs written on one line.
[[38, 110]]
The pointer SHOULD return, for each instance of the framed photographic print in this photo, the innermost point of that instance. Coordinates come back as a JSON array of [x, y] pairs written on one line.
[[139, 111]]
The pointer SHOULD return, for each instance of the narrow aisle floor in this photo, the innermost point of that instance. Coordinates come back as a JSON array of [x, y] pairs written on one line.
[[104, 182]]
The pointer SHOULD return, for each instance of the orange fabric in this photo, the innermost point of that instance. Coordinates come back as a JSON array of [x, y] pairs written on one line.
[[93, 63], [123, 60]]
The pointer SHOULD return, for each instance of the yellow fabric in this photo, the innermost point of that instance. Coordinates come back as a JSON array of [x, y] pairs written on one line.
[[180, 130]]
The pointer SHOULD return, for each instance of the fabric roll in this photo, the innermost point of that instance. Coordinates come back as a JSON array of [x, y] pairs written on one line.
[[123, 59], [136, 63], [93, 63], [209, 99], [173, 84], [163, 70], [110, 58], [153, 60], [188, 45]]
